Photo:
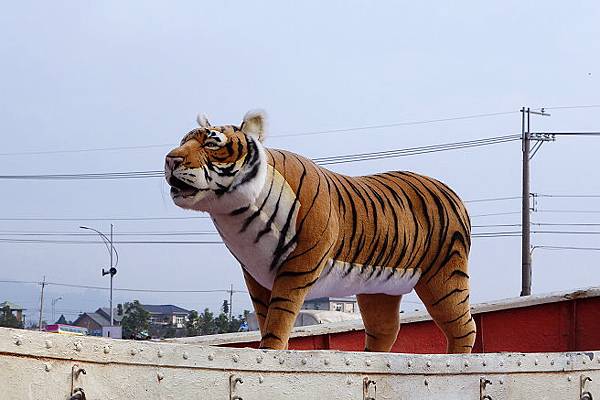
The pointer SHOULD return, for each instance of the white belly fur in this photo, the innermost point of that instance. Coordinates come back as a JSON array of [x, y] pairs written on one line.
[[257, 257], [337, 284]]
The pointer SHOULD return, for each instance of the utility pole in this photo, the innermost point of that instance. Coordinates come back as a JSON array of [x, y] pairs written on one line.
[[526, 138], [54, 301], [230, 301], [42, 303], [111, 276]]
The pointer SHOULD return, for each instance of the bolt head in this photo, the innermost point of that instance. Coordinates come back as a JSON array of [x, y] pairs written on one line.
[[185, 356], [466, 363], [368, 363], [133, 352], [409, 363], [388, 364], [47, 367], [106, 349], [235, 358], [48, 344], [347, 361], [428, 363], [160, 354], [78, 346], [304, 361], [18, 341], [501, 381], [426, 382], [211, 357], [160, 376], [519, 363], [259, 359], [349, 381], [261, 379], [281, 360], [326, 361]]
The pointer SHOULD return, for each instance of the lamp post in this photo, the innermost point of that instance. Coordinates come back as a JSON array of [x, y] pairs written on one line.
[[54, 301], [108, 242]]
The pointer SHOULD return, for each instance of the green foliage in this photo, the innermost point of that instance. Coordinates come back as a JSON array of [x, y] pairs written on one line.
[[7, 319], [136, 321], [207, 324]]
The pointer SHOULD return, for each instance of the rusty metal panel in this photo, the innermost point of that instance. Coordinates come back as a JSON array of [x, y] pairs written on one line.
[[37, 365]]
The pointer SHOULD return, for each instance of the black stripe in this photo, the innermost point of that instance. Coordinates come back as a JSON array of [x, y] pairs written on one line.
[[448, 295], [464, 336], [457, 318], [271, 336], [283, 309]]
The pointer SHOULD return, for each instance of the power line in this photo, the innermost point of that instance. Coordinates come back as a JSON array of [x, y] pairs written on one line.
[[72, 285], [310, 133], [567, 248], [339, 159], [565, 224], [104, 218], [496, 214], [189, 233], [569, 196], [570, 107], [124, 242], [570, 211]]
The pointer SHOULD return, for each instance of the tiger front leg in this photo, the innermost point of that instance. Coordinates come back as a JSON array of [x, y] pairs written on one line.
[[292, 284]]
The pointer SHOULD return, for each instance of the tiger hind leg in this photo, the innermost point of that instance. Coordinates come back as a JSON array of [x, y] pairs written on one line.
[[446, 297], [381, 317]]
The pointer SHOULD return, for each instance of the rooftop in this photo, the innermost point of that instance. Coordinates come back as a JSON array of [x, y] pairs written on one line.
[[164, 309], [10, 305]]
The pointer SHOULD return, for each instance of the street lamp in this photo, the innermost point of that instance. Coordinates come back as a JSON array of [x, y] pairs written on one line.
[[112, 270], [54, 301]]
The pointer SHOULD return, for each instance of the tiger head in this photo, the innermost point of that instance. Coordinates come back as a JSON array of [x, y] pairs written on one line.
[[218, 168]]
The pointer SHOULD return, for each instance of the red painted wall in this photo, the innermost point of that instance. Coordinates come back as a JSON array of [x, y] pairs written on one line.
[[572, 325]]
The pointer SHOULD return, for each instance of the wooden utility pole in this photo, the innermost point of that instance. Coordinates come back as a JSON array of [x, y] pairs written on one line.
[[42, 303]]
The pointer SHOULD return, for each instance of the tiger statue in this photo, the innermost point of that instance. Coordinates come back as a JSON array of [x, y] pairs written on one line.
[[301, 231]]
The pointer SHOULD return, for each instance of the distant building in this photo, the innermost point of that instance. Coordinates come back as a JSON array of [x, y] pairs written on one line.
[[15, 309], [165, 320], [343, 304], [96, 322]]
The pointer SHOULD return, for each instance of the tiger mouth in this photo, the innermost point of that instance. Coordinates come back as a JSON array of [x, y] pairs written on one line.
[[180, 188]]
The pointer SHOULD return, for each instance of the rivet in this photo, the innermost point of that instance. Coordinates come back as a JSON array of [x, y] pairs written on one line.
[[568, 362], [133, 352], [48, 344], [47, 367], [259, 359], [519, 363], [569, 378], [501, 381], [18, 341], [484, 363], [466, 363], [160, 376], [303, 361], [409, 363], [426, 382], [428, 363], [368, 363], [501, 363], [281, 360], [347, 361], [159, 353], [185, 355], [261, 379], [78, 346], [235, 358], [326, 361], [585, 362], [106, 349], [388, 364], [349, 381], [211, 357], [448, 363], [536, 361], [552, 362]]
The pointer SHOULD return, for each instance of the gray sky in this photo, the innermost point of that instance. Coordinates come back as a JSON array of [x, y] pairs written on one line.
[[80, 75]]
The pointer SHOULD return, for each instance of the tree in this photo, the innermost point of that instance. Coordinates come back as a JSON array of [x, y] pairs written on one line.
[[7, 319], [119, 309], [207, 324], [136, 321], [225, 307]]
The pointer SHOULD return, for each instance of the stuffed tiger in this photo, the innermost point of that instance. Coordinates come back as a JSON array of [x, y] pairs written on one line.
[[300, 231]]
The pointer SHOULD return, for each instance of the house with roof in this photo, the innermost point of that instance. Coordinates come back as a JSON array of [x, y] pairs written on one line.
[[96, 322], [14, 309], [165, 320], [343, 304]]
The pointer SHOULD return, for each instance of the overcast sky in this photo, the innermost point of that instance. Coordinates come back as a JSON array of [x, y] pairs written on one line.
[[90, 75]]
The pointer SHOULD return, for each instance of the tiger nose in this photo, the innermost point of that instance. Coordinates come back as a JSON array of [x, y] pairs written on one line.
[[172, 162]]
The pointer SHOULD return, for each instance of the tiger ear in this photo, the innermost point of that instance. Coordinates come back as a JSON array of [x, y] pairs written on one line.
[[202, 120], [255, 124]]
